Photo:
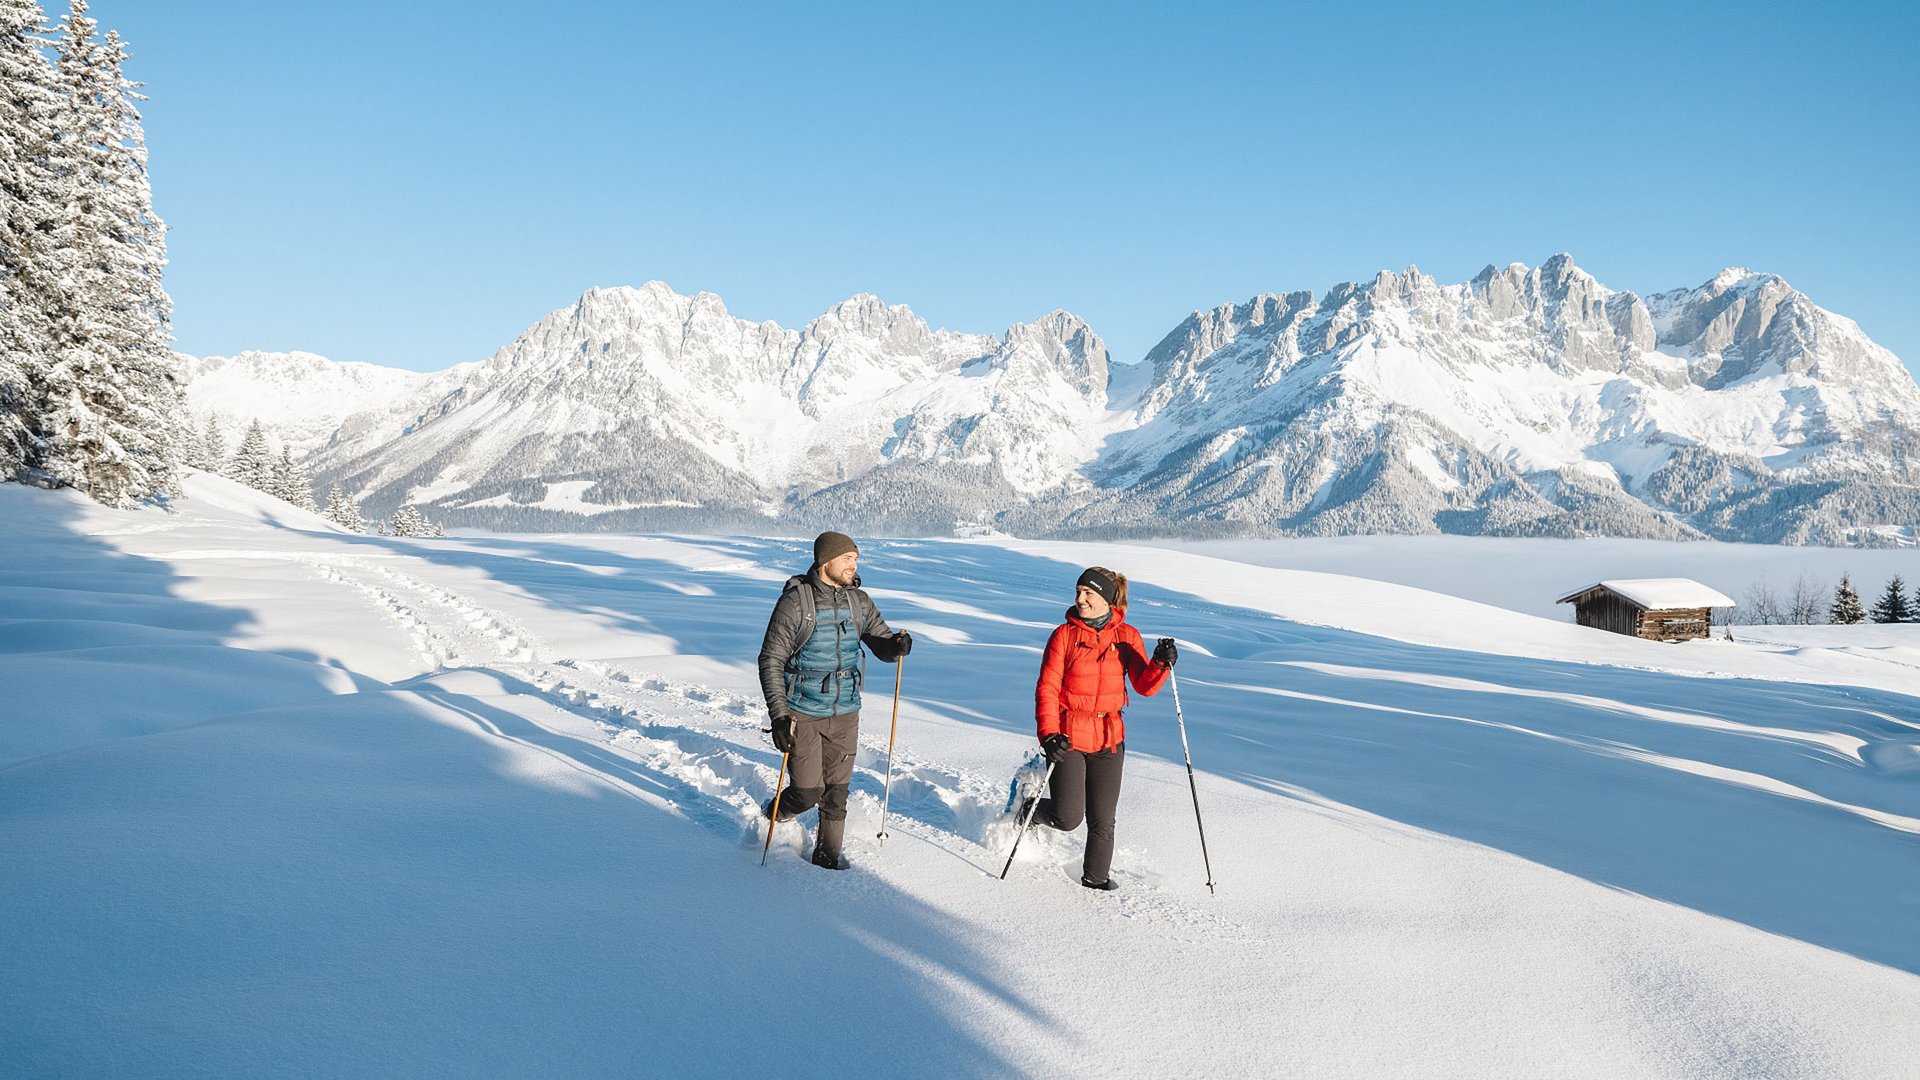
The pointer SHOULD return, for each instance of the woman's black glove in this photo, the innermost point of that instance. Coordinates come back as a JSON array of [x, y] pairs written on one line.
[[1056, 746], [783, 734], [1165, 654], [902, 644]]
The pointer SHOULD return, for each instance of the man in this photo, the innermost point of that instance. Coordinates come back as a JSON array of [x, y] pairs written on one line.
[[811, 669]]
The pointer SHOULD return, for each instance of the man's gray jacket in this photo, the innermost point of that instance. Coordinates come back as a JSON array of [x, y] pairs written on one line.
[[810, 660]]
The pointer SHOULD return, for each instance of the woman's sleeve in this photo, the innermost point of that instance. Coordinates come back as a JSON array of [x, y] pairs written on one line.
[[1046, 693], [1148, 677]]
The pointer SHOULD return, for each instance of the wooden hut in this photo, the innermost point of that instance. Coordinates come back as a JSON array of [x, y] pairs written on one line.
[[1658, 609]]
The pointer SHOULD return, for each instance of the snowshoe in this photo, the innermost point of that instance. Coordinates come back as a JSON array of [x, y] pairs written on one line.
[[1025, 785], [1103, 886]]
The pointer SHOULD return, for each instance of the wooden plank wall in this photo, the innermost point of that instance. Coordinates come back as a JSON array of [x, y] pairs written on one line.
[[1607, 611], [1675, 624]]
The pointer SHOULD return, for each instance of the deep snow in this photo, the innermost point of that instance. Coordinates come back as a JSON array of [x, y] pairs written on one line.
[[279, 800]]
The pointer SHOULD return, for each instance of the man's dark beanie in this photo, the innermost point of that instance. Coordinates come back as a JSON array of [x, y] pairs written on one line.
[[829, 546], [1108, 588]]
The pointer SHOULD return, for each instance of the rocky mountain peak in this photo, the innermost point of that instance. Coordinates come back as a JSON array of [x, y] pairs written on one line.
[[1063, 342]]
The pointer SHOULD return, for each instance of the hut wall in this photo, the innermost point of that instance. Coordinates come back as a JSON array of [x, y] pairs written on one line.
[[1669, 624], [1608, 611]]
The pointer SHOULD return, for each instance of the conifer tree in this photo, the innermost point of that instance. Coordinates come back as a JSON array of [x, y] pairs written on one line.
[[110, 400], [290, 482], [29, 214], [1846, 607], [214, 449], [1892, 605], [253, 462], [407, 521], [342, 512]]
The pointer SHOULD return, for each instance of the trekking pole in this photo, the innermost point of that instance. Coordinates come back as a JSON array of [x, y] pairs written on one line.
[[1024, 825], [774, 818], [886, 796], [1191, 786]]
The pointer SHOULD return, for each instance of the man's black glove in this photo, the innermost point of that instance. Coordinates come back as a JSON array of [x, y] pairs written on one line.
[[1165, 654], [1056, 746], [783, 734], [902, 644]]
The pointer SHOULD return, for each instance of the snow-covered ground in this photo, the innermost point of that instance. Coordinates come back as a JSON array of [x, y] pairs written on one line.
[[1530, 574], [279, 800]]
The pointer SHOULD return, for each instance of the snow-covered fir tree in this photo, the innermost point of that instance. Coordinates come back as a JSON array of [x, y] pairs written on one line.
[[342, 511], [29, 215], [1846, 608], [408, 521], [253, 462], [190, 447], [108, 405], [214, 448], [1892, 606], [290, 482]]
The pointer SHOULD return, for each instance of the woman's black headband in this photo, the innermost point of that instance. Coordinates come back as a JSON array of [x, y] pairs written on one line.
[[1108, 588]]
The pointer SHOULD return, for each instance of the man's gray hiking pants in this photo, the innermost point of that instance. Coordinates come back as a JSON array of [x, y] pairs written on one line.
[[819, 769]]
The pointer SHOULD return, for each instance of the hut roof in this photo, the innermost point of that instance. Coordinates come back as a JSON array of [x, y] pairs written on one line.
[[1659, 594]]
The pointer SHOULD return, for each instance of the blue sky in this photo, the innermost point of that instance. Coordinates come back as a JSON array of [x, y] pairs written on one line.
[[413, 184]]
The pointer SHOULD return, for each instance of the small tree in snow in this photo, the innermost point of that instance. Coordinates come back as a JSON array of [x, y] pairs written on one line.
[[342, 512], [1760, 607], [408, 521], [1892, 605], [1803, 605], [1846, 609], [214, 449], [253, 462], [290, 482]]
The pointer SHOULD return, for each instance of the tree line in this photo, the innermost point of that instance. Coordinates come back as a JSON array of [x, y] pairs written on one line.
[[89, 392], [256, 465], [1806, 603]]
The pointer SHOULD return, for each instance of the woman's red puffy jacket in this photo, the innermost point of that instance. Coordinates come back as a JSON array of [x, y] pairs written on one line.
[[1083, 680]]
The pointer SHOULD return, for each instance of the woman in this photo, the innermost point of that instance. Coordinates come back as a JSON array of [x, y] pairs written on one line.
[[1083, 687]]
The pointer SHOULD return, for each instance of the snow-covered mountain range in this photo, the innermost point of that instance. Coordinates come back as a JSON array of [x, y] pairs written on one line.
[[1528, 401], [302, 398]]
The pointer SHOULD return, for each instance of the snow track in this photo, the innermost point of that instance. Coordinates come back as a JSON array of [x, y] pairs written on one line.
[[702, 745]]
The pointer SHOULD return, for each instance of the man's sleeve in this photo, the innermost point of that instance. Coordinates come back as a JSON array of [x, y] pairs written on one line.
[[876, 634], [778, 647]]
